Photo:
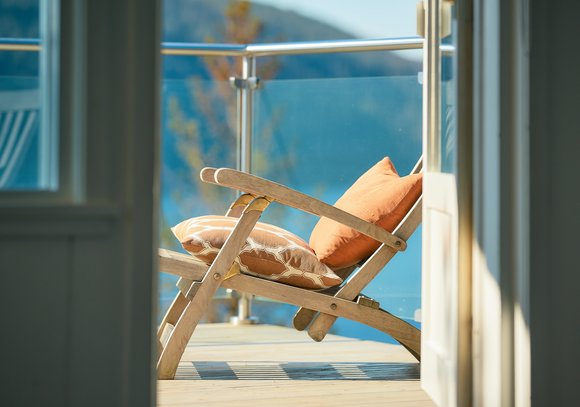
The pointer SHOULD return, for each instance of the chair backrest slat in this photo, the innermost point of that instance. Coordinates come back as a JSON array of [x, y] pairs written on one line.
[[418, 166], [410, 222]]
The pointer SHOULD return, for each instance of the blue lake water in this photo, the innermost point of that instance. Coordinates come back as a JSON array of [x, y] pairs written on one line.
[[315, 135]]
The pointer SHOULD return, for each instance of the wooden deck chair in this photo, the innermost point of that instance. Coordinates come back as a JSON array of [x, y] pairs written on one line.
[[318, 308]]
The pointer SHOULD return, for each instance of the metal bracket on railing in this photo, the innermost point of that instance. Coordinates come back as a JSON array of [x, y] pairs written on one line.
[[252, 82]]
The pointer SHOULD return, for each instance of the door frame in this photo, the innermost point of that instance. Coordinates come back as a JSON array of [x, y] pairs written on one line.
[[461, 338]]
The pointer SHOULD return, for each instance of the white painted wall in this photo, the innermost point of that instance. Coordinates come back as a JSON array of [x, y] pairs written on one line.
[[555, 207], [486, 192], [526, 208]]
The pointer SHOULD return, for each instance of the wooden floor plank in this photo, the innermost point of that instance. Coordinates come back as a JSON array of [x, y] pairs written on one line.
[[263, 365]]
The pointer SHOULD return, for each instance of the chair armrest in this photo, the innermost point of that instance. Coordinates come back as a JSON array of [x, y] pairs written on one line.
[[208, 175], [262, 187]]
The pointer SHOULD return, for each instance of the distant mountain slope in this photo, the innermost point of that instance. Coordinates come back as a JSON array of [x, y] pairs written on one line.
[[199, 20], [18, 19]]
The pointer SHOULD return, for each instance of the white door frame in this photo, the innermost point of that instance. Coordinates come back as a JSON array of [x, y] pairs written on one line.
[[446, 345], [501, 204]]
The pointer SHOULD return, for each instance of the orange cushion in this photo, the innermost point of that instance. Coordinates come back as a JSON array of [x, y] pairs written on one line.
[[270, 252], [379, 196]]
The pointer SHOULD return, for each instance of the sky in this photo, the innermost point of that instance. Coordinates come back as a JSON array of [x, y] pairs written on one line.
[[364, 18]]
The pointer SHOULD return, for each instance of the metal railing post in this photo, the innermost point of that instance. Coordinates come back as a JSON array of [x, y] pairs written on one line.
[[246, 120], [245, 85], [432, 88]]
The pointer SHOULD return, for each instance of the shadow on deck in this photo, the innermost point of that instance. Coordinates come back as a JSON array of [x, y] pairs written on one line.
[[262, 365]]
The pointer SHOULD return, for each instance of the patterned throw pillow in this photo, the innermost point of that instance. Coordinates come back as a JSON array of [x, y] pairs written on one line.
[[270, 252], [379, 196]]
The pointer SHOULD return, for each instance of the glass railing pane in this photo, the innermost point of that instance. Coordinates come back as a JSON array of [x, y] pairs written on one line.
[[340, 65], [198, 130], [319, 135]]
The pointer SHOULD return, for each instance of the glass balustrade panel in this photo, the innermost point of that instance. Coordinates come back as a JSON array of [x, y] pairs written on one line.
[[318, 136], [198, 130]]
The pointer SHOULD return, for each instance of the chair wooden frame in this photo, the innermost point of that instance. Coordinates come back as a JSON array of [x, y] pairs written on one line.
[[319, 309]]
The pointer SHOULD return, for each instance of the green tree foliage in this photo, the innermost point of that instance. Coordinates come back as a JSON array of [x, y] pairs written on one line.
[[210, 138]]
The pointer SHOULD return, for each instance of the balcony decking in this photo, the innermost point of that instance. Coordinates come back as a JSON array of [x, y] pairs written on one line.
[[263, 365]]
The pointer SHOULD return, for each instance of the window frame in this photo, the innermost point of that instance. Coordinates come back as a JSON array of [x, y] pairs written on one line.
[[60, 164]]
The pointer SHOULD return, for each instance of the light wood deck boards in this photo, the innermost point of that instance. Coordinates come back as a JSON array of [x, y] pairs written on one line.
[[264, 365]]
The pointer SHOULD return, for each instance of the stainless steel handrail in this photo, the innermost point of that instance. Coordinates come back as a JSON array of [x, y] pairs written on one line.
[[202, 49], [288, 48], [293, 48], [282, 48]]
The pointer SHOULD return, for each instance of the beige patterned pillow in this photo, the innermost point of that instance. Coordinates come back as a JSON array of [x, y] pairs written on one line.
[[270, 252]]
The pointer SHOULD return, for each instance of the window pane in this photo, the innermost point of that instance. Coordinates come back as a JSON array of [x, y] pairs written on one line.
[[28, 42]]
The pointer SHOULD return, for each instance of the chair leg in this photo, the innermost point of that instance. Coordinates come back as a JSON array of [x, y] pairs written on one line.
[[177, 342], [323, 322], [400, 330], [304, 316], [173, 313], [203, 293], [320, 326], [180, 301]]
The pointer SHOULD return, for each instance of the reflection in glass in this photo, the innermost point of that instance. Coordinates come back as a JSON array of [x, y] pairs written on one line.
[[28, 99], [19, 135], [448, 103], [319, 135], [198, 130]]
